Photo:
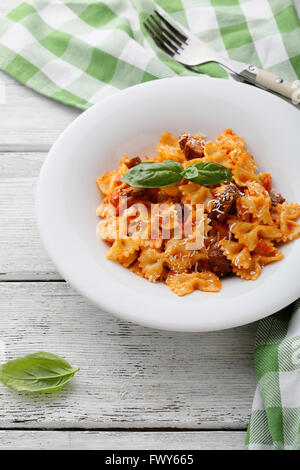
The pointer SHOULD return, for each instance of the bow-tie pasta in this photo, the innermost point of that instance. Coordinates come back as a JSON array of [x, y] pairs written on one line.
[[190, 236]]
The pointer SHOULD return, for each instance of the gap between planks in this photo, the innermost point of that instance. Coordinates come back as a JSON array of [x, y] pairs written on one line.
[[29, 280], [129, 430]]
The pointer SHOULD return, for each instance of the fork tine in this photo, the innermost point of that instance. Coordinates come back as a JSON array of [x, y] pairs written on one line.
[[165, 38], [171, 27], [166, 32], [161, 36], [158, 41]]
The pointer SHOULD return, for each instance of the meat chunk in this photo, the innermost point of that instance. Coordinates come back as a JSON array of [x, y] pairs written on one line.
[[224, 204], [125, 197], [218, 263], [133, 162], [193, 147], [182, 139], [276, 198], [132, 191]]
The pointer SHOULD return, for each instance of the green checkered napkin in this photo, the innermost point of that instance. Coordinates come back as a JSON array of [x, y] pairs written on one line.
[[79, 51], [275, 418]]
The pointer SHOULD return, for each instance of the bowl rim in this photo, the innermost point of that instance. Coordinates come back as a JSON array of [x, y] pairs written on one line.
[[108, 304]]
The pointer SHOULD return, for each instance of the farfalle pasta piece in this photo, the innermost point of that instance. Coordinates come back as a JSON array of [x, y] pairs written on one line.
[[252, 272], [124, 251], [138, 224], [183, 284], [108, 182], [230, 141], [195, 194], [105, 209], [201, 218], [255, 203], [151, 263], [168, 148], [265, 179], [145, 237], [248, 233], [270, 258], [214, 153], [179, 258], [136, 269], [265, 247], [170, 215], [237, 253], [259, 259], [144, 233], [287, 213], [192, 162], [225, 149], [172, 191], [264, 260], [107, 229], [197, 228], [244, 169]]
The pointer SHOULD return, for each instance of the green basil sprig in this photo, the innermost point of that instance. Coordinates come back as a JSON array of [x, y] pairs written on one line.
[[153, 174], [40, 372], [206, 173], [169, 172]]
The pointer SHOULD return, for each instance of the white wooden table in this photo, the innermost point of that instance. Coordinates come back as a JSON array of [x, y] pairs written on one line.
[[137, 388]]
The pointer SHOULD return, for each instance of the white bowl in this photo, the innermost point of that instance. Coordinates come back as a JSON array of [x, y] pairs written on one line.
[[130, 123]]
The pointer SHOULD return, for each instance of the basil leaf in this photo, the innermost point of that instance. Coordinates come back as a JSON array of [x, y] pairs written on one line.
[[154, 174], [206, 173], [40, 372]]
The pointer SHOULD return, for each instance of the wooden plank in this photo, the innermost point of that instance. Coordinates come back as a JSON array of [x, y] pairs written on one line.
[[30, 121], [96, 440], [130, 376], [22, 255], [20, 165]]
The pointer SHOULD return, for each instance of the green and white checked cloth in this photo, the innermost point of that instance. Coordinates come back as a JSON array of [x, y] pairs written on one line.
[[79, 51], [275, 418]]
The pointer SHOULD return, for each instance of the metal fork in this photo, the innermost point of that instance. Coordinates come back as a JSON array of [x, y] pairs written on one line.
[[187, 49]]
